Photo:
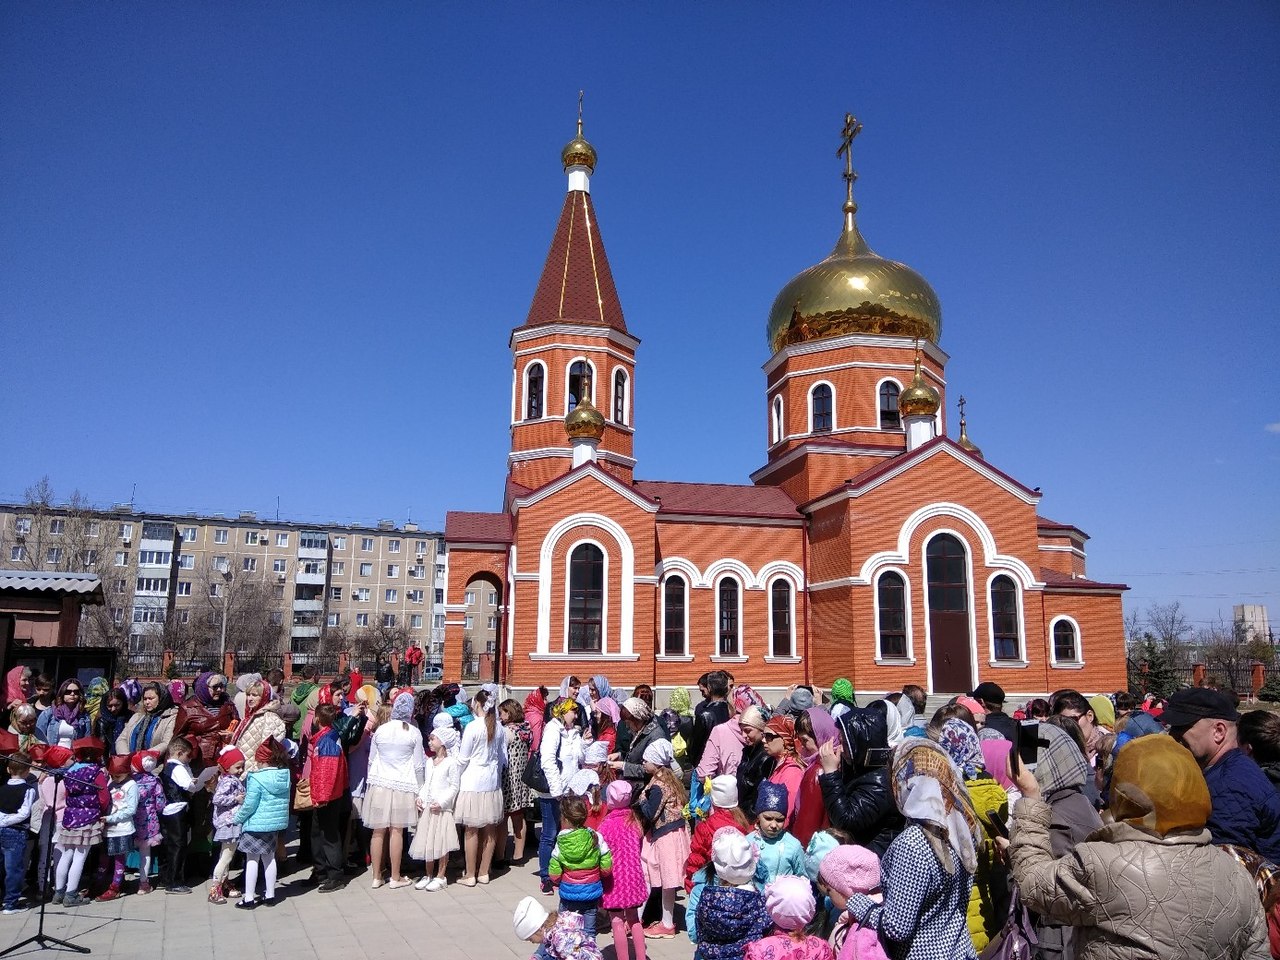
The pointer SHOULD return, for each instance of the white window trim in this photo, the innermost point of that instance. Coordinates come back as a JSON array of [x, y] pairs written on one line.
[[776, 411], [1078, 662], [881, 659], [1021, 660], [662, 605], [835, 425], [876, 403], [594, 384], [545, 576], [604, 599], [626, 394], [973, 625], [716, 656], [770, 656]]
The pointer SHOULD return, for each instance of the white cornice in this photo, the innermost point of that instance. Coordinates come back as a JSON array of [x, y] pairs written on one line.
[[566, 453], [524, 334], [590, 470], [576, 348], [824, 449], [931, 350], [908, 368]]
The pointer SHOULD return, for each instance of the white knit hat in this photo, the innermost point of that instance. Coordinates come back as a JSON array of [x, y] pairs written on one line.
[[442, 719], [597, 752], [447, 736], [724, 792], [529, 918], [734, 856]]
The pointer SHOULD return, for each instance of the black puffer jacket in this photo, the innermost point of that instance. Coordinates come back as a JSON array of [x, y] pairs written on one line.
[[634, 769], [753, 770], [859, 800]]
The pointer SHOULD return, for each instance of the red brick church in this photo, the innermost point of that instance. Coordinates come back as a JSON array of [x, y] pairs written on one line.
[[869, 545]]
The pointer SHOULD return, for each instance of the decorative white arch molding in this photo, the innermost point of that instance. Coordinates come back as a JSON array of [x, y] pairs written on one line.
[[735, 567], [780, 568], [685, 567], [990, 558], [627, 572]]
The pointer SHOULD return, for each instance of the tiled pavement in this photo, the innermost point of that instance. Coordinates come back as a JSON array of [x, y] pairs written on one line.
[[458, 923]]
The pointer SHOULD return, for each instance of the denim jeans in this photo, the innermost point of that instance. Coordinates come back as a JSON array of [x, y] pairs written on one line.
[[549, 812], [13, 845], [589, 910]]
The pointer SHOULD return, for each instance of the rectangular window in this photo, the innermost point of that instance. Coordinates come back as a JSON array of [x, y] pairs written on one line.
[[56, 526], [891, 595], [468, 622], [439, 569], [362, 594], [362, 619], [93, 529], [728, 617], [249, 563], [220, 536], [126, 531], [437, 621], [339, 543], [184, 588], [673, 617], [415, 596], [279, 566], [279, 591], [117, 615], [22, 526], [333, 620], [17, 553], [186, 561], [215, 589], [309, 540], [88, 558], [251, 538], [153, 584], [189, 534], [53, 555], [418, 571], [780, 595], [366, 569], [393, 546], [335, 593], [388, 619], [221, 564], [122, 558], [121, 586], [393, 571], [339, 568], [184, 616], [471, 598], [493, 623], [155, 558], [586, 599], [366, 544], [415, 621], [439, 595], [493, 598], [277, 618], [392, 596], [282, 539]]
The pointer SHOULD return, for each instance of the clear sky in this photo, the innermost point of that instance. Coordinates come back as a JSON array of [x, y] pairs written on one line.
[[251, 251]]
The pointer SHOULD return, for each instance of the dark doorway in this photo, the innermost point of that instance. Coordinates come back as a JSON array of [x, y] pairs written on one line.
[[949, 636]]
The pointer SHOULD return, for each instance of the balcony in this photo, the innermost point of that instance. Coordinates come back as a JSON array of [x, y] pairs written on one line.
[[317, 579], [313, 553], [299, 631], [308, 606]]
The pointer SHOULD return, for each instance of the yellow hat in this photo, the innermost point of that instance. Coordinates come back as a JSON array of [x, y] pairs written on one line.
[[1157, 787]]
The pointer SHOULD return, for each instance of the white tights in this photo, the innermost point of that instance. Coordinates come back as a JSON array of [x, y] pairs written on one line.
[[251, 877], [70, 866], [669, 906], [144, 862], [224, 861]]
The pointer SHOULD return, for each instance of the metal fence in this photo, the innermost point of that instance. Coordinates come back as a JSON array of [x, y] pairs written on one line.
[[326, 664], [140, 665], [262, 663]]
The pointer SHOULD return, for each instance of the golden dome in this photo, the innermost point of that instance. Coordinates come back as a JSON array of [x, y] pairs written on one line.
[[578, 152], [919, 399], [584, 421], [966, 443]]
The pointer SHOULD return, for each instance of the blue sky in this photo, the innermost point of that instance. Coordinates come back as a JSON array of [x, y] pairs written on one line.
[[261, 250]]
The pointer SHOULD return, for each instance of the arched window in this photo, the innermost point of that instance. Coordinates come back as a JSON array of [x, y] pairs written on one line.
[[891, 598], [780, 618], [620, 397], [534, 385], [1066, 648], [890, 418], [776, 418], [1004, 619], [579, 378], [728, 619], [586, 599], [820, 418], [673, 617]]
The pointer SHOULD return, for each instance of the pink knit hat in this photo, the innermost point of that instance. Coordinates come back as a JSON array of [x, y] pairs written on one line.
[[790, 902], [850, 869], [618, 794]]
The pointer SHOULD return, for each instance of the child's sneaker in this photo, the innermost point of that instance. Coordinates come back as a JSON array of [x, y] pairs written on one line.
[[659, 931], [58, 896], [111, 893], [143, 887], [216, 895], [74, 899]]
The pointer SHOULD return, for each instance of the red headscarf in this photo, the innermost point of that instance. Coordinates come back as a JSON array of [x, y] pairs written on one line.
[[266, 751], [785, 727]]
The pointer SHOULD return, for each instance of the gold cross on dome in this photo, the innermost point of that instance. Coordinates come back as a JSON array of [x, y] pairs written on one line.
[[579, 113], [850, 130], [963, 401]]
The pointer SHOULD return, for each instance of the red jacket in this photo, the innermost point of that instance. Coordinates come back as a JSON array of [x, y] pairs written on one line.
[[811, 811], [328, 767], [700, 845]]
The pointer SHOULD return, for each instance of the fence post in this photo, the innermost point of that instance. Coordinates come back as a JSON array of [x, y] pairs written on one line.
[[287, 666], [343, 662], [1259, 677], [1197, 674], [229, 664], [1143, 670], [166, 661]]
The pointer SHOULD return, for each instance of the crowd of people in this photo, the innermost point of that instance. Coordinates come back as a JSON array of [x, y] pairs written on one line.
[[813, 828]]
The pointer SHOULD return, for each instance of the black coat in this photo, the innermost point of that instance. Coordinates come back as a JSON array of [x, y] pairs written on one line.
[[859, 800], [634, 757], [754, 770], [1002, 724], [710, 713]]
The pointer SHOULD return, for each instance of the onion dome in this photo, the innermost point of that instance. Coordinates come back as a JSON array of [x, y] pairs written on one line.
[[584, 421], [963, 440], [919, 399], [854, 290], [578, 152]]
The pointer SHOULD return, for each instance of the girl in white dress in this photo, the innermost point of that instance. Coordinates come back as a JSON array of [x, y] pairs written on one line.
[[437, 834], [480, 809]]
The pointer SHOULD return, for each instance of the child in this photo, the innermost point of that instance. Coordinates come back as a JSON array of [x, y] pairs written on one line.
[[728, 910], [666, 843], [580, 863], [17, 797], [264, 813], [52, 799], [780, 852], [146, 818], [227, 798], [625, 891], [175, 817], [558, 936], [724, 813], [119, 822], [87, 800], [437, 834], [846, 870], [790, 903]]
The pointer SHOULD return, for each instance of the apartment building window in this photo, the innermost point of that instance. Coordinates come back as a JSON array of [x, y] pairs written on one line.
[[313, 541], [188, 534], [417, 571], [184, 588], [493, 623], [184, 616], [392, 596], [278, 590], [117, 615], [313, 566], [126, 531], [93, 529], [366, 569], [279, 566], [333, 620], [249, 564], [88, 558], [415, 596], [56, 526], [215, 589], [186, 561], [388, 619], [493, 598], [53, 555], [439, 595], [366, 544], [154, 558], [221, 564], [339, 543], [468, 622], [438, 621], [148, 615], [362, 619], [393, 546], [153, 584], [439, 569], [122, 558], [251, 538], [421, 547], [471, 598], [339, 568], [277, 618], [415, 621], [282, 539], [22, 526], [220, 536], [121, 586], [393, 571], [335, 593], [18, 553], [362, 594]]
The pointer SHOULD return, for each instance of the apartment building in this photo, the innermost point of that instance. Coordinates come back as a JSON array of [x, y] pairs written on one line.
[[274, 584]]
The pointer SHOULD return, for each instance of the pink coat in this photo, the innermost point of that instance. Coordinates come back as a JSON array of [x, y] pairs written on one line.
[[779, 946], [624, 835], [723, 751]]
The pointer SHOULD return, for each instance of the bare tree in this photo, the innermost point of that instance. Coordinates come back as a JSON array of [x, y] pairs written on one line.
[[1172, 630]]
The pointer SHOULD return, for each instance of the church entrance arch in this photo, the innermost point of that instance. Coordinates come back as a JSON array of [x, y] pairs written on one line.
[[950, 638]]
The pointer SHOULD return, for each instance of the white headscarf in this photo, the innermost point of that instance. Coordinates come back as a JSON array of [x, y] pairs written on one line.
[[661, 754], [923, 803]]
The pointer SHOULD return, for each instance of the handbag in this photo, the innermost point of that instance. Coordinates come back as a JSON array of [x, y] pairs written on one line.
[[1017, 939], [534, 777], [302, 795]]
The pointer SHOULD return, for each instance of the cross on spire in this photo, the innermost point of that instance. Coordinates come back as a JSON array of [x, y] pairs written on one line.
[[579, 113], [850, 130], [963, 401]]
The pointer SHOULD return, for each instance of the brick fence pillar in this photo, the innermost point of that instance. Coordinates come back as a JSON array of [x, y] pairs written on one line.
[[1197, 674]]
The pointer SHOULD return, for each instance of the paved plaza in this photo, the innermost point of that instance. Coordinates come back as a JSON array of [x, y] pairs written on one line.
[[457, 923]]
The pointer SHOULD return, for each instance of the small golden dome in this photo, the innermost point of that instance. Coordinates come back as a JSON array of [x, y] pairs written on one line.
[[966, 443], [584, 421], [919, 399], [578, 152]]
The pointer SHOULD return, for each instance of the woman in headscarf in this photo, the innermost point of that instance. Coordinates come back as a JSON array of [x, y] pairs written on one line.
[[111, 718], [927, 871], [17, 687], [559, 755], [1151, 885], [207, 717], [397, 765], [67, 720], [535, 704], [780, 744], [639, 719], [261, 722], [151, 727], [22, 724], [842, 699], [892, 720], [814, 727], [855, 780], [989, 901], [607, 717]]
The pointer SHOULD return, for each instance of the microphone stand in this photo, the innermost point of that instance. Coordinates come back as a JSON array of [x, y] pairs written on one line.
[[43, 940]]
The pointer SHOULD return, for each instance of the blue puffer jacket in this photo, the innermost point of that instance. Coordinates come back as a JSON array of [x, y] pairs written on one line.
[[1246, 807], [266, 801], [729, 918]]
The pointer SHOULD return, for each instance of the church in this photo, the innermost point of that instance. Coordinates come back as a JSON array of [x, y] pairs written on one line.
[[870, 544]]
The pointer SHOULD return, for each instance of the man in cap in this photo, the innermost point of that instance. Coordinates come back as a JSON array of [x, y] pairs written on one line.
[[991, 696], [1246, 807]]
